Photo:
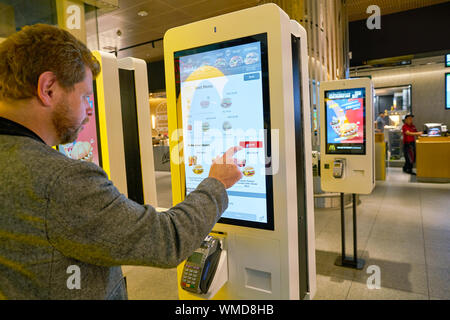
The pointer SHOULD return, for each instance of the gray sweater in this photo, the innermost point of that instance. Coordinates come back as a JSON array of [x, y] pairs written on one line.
[[56, 212]]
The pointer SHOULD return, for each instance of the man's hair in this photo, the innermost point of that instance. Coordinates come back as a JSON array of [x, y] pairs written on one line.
[[26, 54]]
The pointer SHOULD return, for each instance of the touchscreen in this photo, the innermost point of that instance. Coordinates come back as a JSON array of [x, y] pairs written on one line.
[[222, 102], [345, 120], [85, 148]]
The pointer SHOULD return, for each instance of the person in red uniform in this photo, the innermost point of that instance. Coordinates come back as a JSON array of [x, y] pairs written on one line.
[[409, 143]]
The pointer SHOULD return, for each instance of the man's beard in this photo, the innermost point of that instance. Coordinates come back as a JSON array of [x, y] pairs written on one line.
[[67, 129]]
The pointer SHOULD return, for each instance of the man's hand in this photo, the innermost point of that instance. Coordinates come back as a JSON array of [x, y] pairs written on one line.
[[225, 168]]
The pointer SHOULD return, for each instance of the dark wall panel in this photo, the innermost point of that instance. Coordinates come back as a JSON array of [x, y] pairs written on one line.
[[410, 32], [156, 76]]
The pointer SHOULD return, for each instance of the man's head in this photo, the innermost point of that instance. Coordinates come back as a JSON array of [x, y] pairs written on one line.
[[381, 114], [49, 66], [408, 119]]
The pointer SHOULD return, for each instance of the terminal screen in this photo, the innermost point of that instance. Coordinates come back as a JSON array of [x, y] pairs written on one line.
[[345, 121], [447, 90], [86, 146], [223, 91]]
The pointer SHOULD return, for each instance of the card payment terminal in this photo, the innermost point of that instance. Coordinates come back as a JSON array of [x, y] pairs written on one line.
[[201, 266]]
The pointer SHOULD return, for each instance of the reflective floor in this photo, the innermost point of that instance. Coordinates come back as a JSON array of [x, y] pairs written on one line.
[[403, 231]]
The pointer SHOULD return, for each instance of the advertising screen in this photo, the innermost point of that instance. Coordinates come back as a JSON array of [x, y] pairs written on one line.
[[87, 145], [447, 91], [223, 91], [345, 119]]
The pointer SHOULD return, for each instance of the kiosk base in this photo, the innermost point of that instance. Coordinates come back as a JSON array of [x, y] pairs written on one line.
[[358, 264]]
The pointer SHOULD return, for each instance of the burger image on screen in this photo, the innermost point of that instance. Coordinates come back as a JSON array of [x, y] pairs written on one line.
[[226, 126], [205, 126], [82, 150], [348, 130], [204, 103], [226, 103], [251, 57], [220, 63], [249, 171], [198, 169], [236, 61]]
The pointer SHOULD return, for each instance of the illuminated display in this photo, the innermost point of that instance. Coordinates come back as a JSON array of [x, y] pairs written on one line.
[[223, 91], [447, 90], [86, 147], [345, 119]]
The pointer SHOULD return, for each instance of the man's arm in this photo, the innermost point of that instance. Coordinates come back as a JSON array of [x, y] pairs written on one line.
[[90, 220]]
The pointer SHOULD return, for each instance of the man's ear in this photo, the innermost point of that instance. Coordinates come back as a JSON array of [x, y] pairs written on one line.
[[47, 85]]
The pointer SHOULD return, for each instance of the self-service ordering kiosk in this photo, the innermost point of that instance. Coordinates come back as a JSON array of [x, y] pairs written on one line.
[[347, 136], [241, 79], [118, 134], [100, 141], [137, 131]]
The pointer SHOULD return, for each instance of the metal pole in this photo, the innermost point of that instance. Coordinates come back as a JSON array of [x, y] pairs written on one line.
[[343, 227], [355, 235]]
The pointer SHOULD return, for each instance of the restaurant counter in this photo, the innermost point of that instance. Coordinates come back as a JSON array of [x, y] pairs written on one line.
[[433, 159]]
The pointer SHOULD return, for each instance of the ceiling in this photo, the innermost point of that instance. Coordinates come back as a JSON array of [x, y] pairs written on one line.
[[162, 15], [166, 14], [357, 8]]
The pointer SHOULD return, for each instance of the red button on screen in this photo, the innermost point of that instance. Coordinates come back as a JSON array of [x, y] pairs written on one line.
[[251, 144]]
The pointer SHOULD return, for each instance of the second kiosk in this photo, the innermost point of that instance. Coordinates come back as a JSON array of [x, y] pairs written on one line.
[[241, 79]]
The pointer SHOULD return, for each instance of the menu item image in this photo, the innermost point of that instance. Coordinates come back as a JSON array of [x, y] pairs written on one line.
[[248, 171], [226, 126], [252, 57], [236, 61], [226, 103], [198, 169], [82, 150]]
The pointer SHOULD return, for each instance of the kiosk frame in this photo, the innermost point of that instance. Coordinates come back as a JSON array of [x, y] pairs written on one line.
[[262, 264]]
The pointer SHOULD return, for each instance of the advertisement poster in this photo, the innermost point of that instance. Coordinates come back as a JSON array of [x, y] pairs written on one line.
[[85, 148], [345, 120], [222, 106]]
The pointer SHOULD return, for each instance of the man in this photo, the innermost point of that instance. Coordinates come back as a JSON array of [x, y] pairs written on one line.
[[380, 122], [62, 218], [409, 143]]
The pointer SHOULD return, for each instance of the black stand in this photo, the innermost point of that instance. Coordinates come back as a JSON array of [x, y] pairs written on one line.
[[343, 260]]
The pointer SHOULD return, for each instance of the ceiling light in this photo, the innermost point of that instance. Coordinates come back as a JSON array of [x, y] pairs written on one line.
[[142, 13]]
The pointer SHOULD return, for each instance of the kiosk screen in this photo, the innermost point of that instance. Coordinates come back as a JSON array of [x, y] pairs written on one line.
[[224, 96], [345, 119], [447, 91], [87, 145]]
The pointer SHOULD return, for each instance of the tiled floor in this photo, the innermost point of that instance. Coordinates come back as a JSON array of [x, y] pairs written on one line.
[[403, 229]]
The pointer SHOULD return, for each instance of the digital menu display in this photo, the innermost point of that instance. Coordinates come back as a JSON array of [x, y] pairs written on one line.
[[345, 121], [447, 91], [447, 60], [86, 147], [223, 90]]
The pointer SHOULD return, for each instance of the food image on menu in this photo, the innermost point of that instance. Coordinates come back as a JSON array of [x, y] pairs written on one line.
[[192, 161], [205, 126], [236, 61], [226, 103], [198, 169], [204, 103], [82, 151], [226, 126], [344, 129], [251, 57], [220, 63], [249, 171]]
